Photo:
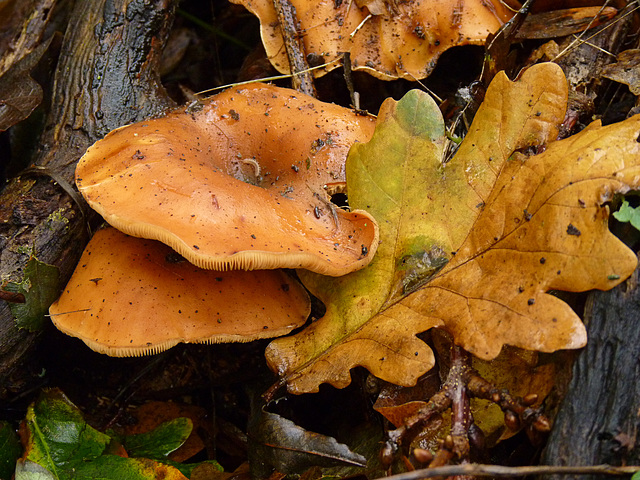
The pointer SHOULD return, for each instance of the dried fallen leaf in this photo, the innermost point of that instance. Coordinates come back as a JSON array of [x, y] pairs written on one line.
[[626, 70], [560, 23], [544, 228], [276, 442], [19, 93], [473, 245], [386, 39]]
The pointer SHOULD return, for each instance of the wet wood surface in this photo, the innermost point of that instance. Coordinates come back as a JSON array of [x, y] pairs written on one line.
[[598, 420], [106, 76]]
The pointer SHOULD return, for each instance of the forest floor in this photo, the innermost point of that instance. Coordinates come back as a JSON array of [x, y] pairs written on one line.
[[219, 386]]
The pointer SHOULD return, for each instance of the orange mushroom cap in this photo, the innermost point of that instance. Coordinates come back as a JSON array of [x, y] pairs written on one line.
[[388, 39], [238, 182], [129, 296]]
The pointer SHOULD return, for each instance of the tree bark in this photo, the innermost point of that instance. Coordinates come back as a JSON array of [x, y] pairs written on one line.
[[106, 77], [598, 420]]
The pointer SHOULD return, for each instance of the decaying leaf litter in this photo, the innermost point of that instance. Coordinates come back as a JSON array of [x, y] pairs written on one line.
[[421, 264]]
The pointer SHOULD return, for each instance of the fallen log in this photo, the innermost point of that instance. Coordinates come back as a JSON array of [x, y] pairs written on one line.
[[106, 76], [598, 420]]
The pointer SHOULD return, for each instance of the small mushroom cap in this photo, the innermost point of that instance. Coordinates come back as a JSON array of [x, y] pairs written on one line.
[[387, 39], [130, 296], [236, 182]]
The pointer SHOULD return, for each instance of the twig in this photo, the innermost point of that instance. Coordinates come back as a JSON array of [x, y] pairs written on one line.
[[352, 34], [302, 79], [462, 382], [479, 470], [456, 444], [346, 71], [498, 45], [579, 39], [263, 80]]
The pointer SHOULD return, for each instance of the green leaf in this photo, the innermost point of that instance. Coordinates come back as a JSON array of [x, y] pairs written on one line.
[[115, 467], [161, 441], [40, 287], [58, 434], [187, 468], [628, 214], [9, 450], [28, 470], [62, 445]]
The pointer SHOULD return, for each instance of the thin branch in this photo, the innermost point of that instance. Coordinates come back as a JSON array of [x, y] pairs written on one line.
[[264, 79], [302, 79]]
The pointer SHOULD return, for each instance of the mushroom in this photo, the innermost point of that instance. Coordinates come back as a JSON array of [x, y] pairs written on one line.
[[129, 296], [388, 39], [237, 182]]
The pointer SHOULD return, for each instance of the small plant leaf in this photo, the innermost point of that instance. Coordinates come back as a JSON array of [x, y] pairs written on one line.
[[161, 441], [58, 434], [61, 445], [628, 214], [9, 450], [40, 287]]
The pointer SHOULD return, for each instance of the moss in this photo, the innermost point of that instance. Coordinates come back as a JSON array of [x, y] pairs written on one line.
[[55, 217], [25, 250]]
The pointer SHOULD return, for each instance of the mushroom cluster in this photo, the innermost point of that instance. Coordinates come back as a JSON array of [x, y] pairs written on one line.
[[235, 185]]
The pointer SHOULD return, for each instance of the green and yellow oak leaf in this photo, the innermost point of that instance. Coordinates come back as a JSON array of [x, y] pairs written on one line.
[[471, 245]]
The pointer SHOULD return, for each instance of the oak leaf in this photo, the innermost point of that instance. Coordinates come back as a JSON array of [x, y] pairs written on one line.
[[472, 245]]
